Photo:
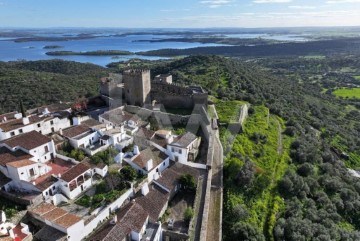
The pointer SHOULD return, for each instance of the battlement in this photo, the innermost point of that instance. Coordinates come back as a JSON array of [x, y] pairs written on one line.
[[136, 71]]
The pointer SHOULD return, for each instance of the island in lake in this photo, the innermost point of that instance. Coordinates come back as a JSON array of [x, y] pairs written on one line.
[[91, 53], [53, 47]]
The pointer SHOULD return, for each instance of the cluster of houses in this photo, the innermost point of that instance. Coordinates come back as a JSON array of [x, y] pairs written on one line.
[[33, 170]]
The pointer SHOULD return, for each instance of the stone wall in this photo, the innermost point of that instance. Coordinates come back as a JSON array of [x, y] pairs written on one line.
[[174, 236]]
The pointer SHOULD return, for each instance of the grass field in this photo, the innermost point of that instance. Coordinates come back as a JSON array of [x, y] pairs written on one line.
[[348, 93], [229, 111], [357, 77]]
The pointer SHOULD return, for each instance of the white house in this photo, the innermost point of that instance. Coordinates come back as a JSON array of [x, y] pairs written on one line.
[[44, 123], [33, 143], [76, 180], [118, 117], [81, 136], [184, 148], [149, 162], [71, 225], [10, 231]]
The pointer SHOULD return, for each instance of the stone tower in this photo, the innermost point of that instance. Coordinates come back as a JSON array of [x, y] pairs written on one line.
[[137, 87]]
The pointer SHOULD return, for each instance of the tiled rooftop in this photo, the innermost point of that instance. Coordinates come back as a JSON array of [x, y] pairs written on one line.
[[18, 123], [28, 140], [154, 202], [22, 163], [49, 212], [185, 140], [147, 154], [7, 155], [169, 177], [74, 172], [74, 131]]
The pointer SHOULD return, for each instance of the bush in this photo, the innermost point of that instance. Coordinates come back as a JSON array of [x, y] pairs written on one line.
[[188, 214]]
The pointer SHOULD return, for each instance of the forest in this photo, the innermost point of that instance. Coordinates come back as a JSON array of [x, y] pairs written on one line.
[[285, 174], [38, 83]]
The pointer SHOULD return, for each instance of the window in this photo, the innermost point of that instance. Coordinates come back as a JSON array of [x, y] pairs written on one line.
[[53, 187], [46, 148], [180, 151], [46, 193], [52, 122], [164, 164], [12, 133], [172, 149], [32, 172], [38, 125], [22, 173], [21, 131]]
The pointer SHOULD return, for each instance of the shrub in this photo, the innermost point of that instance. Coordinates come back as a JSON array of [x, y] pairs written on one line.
[[188, 214]]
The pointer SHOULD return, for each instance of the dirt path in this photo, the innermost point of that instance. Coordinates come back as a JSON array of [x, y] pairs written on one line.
[[214, 220], [280, 138]]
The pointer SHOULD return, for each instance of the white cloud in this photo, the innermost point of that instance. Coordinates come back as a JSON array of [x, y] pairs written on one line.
[[216, 3], [302, 7], [272, 1], [342, 1]]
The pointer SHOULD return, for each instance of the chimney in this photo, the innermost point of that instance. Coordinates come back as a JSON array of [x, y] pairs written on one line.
[[136, 150], [5, 119], [149, 165], [61, 131], [145, 189], [25, 120], [46, 111], [2, 217]]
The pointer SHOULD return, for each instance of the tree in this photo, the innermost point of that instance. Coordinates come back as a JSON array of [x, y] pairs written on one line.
[[128, 173], [22, 109], [187, 181]]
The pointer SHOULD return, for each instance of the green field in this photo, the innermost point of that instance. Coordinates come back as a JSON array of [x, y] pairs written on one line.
[[348, 93], [229, 111], [262, 202], [357, 77]]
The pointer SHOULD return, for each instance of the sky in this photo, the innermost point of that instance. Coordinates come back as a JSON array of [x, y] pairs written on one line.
[[178, 14]]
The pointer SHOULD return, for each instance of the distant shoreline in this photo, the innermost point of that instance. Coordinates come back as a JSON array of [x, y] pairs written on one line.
[[90, 53]]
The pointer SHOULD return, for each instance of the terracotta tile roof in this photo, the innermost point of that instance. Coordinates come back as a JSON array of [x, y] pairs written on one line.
[[22, 163], [147, 154], [42, 209], [75, 131], [3, 181], [7, 155], [28, 140], [9, 116], [169, 177], [132, 217], [46, 183], [18, 123], [49, 212], [74, 172], [185, 140], [54, 214], [154, 202], [67, 220]]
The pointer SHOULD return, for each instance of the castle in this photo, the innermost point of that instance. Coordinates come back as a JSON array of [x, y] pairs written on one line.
[[135, 87]]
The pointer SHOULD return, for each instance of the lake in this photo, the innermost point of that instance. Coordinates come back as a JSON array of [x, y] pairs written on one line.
[[34, 50]]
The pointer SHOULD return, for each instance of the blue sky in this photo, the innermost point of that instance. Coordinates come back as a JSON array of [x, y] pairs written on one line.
[[184, 13]]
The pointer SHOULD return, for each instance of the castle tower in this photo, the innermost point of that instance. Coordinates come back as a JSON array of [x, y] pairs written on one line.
[[137, 87]]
